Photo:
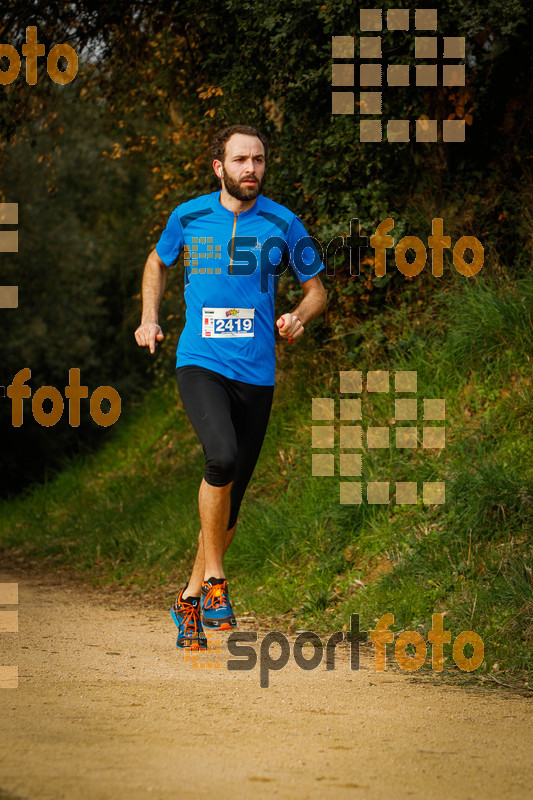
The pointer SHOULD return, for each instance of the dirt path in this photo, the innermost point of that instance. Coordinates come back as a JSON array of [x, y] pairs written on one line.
[[106, 707]]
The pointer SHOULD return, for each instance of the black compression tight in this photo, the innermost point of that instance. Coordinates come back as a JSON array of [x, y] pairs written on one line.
[[230, 419]]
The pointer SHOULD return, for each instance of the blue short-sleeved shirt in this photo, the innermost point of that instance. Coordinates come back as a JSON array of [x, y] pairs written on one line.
[[233, 261]]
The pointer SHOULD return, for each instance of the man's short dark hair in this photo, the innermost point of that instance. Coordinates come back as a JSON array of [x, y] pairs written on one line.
[[218, 143]]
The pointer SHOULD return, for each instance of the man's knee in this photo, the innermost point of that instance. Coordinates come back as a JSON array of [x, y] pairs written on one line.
[[220, 466]]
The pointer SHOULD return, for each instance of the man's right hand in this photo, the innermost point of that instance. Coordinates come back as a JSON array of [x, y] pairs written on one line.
[[148, 334]]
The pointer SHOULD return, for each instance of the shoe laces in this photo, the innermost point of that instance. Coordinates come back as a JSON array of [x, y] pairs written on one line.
[[190, 616], [216, 596]]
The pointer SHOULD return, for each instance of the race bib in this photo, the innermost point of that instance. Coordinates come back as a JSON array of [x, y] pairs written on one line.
[[224, 323]]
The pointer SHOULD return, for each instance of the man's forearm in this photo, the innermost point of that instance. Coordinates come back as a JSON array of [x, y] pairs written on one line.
[[311, 306], [153, 288]]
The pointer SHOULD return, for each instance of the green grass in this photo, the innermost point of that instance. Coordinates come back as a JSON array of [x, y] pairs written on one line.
[[128, 514]]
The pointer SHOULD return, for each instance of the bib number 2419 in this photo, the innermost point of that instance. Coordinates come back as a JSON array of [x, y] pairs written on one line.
[[227, 322]]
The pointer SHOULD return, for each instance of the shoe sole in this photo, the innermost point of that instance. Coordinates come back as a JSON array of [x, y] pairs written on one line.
[[224, 626]]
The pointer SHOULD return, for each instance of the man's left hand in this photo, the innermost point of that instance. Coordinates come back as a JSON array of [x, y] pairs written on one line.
[[289, 326]]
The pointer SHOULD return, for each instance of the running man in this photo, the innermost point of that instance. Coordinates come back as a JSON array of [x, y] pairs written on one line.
[[235, 242]]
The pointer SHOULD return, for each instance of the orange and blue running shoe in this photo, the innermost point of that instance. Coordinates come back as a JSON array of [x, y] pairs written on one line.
[[217, 612], [186, 614]]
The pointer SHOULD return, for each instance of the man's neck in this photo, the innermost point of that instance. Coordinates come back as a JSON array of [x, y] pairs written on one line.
[[234, 205]]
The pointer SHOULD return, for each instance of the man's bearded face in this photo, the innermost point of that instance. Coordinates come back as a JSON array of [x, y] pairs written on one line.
[[243, 168], [242, 189]]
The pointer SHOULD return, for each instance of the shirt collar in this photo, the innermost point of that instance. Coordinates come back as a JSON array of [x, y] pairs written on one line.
[[231, 214]]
